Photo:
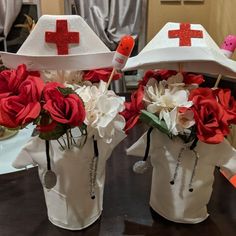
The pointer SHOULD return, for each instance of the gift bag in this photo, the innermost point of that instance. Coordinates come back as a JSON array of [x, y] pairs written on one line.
[[76, 201], [62, 85], [182, 178]]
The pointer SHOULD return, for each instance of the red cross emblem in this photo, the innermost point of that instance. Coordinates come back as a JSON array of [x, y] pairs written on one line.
[[62, 38], [185, 34]]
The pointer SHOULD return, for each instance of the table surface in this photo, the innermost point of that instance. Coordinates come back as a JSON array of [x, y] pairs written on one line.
[[126, 209]]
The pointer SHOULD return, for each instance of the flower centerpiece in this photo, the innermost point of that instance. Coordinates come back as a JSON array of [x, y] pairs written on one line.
[[76, 116], [175, 104], [186, 140], [25, 99], [78, 125]]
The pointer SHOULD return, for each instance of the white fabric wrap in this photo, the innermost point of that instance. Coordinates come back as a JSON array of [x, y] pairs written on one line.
[[69, 203], [175, 202]]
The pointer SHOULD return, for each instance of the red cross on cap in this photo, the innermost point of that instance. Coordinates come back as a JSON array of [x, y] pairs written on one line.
[[62, 38], [185, 34]]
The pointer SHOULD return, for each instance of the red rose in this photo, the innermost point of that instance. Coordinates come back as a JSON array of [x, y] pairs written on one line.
[[228, 102], [65, 109], [4, 81], [31, 89], [157, 75], [190, 78], [50, 91], [94, 76], [11, 80], [133, 108], [203, 92], [19, 97], [209, 115]]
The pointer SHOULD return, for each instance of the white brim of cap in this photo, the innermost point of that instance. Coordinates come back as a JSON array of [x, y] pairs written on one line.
[[197, 59], [65, 62]]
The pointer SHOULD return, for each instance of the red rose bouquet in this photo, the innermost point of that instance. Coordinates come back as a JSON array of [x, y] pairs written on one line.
[[25, 99], [80, 99], [184, 143], [20, 94], [174, 103], [66, 115]]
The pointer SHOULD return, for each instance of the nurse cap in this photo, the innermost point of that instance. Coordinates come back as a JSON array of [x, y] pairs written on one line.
[[184, 45], [61, 42]]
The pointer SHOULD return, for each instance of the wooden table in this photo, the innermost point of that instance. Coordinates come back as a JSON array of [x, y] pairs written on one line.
[[126, 208]]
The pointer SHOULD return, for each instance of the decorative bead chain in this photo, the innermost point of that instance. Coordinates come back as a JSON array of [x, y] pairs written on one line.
[[172, 182], [93, 175], [190, 188], [93, 169]]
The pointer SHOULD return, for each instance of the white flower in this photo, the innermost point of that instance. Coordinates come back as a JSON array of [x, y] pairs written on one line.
[[170, 119], [102, 110], [177, 122], [176, 80], [167, 100], [69, 78], [185, 120], [109, 132], [164, 99]]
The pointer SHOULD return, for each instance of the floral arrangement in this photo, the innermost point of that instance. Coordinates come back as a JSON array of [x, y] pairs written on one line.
[[79, 99], [175, 104]]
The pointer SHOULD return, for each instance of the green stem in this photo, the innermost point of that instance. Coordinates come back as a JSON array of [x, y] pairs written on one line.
[[68, 138]]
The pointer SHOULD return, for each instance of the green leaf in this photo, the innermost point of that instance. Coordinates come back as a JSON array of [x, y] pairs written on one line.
[[14, 129], [2, 67], [66, 91], [154, 121], [55, 133], [83, 129], [37, 120]]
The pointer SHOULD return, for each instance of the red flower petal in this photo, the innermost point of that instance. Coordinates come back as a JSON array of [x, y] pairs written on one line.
[[47, 128], [94, 76]]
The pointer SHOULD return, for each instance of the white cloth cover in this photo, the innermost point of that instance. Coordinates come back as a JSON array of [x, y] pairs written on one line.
[[69, 203], [175, 202]]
